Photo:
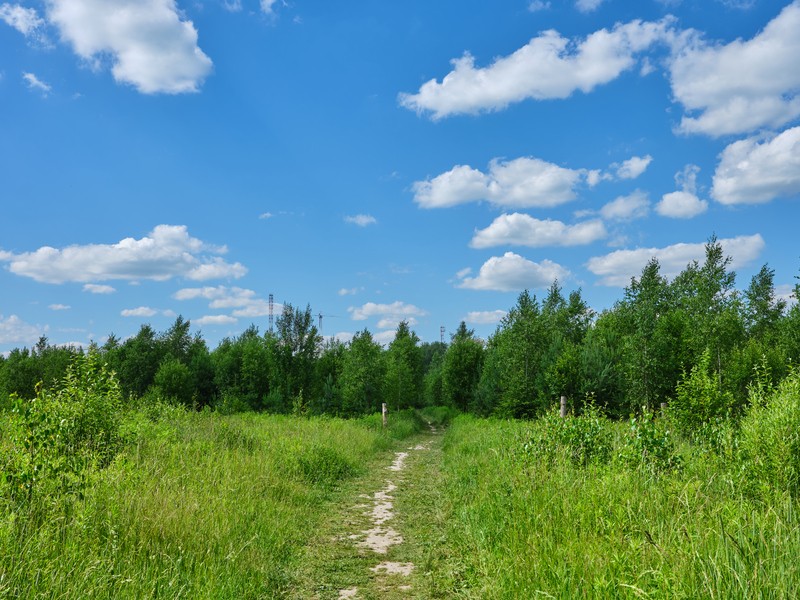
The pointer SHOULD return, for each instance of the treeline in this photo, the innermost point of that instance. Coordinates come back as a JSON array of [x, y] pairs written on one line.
[[695, 342]]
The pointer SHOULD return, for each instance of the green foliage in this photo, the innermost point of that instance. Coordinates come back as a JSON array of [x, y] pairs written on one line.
[[770, 439], [58, 436], [362, 376], [699, 398], [581, 439], [173, 380], [649, 444], [461, 369], [403, 378]]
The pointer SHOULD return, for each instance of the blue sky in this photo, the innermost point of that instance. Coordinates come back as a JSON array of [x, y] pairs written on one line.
[[380, 161]]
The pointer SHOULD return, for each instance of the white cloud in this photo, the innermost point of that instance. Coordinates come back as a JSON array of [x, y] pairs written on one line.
[[485, 317], [141, 311], [587, 6], [25, 20], [94, 288], [617, 268], [361, 220], [627, 208], [741, 86], [384, 338], [14, 330], [399, 310], [394, 322], [634, 166], [753, 171], [149, 44], [523, 230], [59, 307], [537, 5], [34, 83], [232, 5], [214, 320], [519, 183], [349, 291], [683, 204], [266, 6], [168, 251], [245, 302], [549, 66], [511, 272]]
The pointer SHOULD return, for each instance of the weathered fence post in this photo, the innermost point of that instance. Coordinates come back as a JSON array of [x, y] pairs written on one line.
[[663, 409], [383, 412], [563, 406]]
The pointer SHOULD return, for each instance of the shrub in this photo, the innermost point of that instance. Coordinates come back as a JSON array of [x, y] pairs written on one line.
[[770, 439], [58, 435], [649, 444], [584, 439], [699, 398]]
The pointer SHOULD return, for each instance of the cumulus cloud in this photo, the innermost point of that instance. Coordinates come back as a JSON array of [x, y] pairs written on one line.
[[519, 183], [741, 86], [683, 204], [485, 317], [511, 272], [14, 330], [550, 66], [25, 20], [59, 307], [617, 268], [166, 252], [633, 167], [523, 230], [587, 6], [349, 291], [537, 5], [94, 288], [141, 311], [214, 320], [754, 171], [34, 83], [627, 208], [245, 303], [361, 220], [148, 42], [394, 322], [398, 310]]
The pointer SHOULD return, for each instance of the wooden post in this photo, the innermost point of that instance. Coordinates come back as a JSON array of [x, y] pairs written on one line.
[[663, 409], [383, 412], [563, 406]]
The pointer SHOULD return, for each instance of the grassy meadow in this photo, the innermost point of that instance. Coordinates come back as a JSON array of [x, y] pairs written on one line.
[[195, 505]]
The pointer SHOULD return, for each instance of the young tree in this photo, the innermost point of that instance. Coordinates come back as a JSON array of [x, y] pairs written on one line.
[[362, 376], [461, 370], [403, 381]]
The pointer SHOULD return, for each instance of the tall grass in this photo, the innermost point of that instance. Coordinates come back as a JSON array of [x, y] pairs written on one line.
[[196, 505], [530, 524]]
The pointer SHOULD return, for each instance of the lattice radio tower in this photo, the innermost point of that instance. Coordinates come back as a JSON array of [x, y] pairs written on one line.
[[441, 334], [270, 312]]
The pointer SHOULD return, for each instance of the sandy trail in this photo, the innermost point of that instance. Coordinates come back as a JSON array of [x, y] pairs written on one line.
[[381, 536]]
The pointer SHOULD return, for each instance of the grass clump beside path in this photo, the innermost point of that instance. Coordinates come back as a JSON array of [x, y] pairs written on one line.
[[530, 521], [193, 505]]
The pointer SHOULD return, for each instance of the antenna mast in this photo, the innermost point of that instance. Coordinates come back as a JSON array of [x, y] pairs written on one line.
[[270, 312], [441, 334]]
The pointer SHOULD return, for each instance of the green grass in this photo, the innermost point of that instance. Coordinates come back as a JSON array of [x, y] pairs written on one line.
[[525, 526], [197, 505]]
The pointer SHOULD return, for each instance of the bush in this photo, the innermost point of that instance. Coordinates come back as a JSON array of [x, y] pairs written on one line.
[[699, 397], [60, 434], [649, 444], [770, 439], [584, 439]]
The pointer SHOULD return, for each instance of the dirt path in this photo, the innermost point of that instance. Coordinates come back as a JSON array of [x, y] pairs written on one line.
[[377, 543]]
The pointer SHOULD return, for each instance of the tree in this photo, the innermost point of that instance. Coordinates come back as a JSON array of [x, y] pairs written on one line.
[[403, 380], [298, 343], [362, 376], [461, 369]]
